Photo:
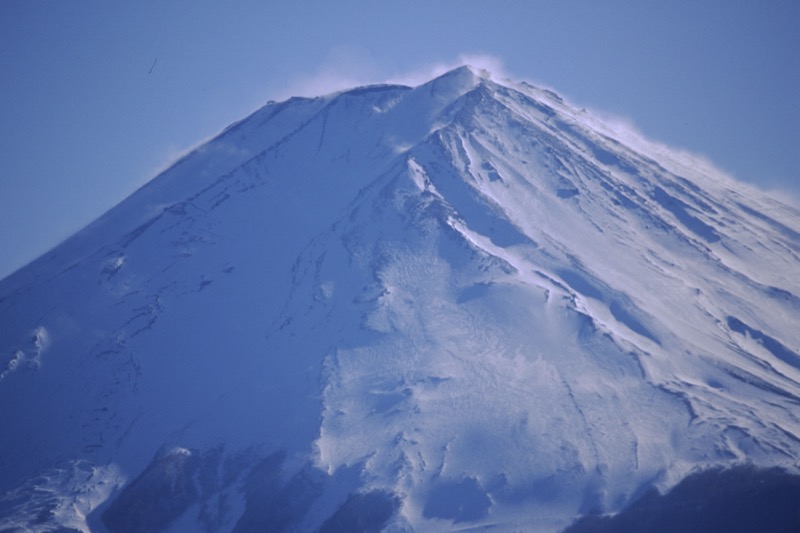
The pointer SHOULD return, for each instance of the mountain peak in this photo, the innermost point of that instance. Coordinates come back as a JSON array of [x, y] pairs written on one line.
[[458, 80], [471, 70], [457, 304]]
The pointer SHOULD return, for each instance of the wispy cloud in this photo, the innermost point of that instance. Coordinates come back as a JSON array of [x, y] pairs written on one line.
[[344, 67], [348, 67], [425, 73]]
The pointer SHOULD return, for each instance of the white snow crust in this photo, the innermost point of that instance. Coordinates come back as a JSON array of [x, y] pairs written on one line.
[[467, 289]]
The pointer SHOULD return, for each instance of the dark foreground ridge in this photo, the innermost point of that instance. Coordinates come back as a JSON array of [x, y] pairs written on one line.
[[177, 479], [719, 500]]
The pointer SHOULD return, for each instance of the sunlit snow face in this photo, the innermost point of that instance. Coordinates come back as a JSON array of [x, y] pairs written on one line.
[[488, 373]]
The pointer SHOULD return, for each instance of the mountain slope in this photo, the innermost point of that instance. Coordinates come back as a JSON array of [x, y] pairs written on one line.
[[464, 303]]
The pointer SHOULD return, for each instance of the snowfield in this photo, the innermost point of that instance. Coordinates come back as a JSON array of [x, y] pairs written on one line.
[[464, 304]]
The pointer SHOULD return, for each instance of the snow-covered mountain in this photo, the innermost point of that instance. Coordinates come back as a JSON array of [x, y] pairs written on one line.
[[456, 305]]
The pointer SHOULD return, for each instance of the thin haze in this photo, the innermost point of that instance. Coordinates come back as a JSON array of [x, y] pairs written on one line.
[[97, 96]]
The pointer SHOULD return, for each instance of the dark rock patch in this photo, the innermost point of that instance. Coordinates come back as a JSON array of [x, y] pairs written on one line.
[[362, 513], [459, 502], [741, 499], [161, 494]]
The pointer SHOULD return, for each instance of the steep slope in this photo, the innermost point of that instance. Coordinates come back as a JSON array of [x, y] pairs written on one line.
[[465, 303]]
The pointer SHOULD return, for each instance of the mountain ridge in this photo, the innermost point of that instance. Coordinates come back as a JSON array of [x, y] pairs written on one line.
[[459, 291]]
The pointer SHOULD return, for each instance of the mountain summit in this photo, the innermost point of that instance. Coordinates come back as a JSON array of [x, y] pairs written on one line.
[[463, 304]]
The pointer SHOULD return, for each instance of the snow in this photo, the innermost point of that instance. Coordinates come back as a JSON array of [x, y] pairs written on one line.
[[466, 291], [68, 494]]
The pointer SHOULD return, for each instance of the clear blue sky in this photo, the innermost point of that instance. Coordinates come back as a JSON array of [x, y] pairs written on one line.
[[86, 116]]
